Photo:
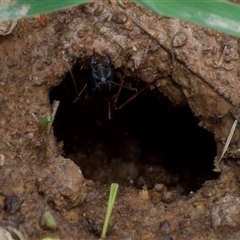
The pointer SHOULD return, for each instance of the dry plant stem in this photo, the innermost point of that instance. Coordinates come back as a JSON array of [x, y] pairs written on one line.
[[55, 108], [19, 234], [230, 135], [221, 57]]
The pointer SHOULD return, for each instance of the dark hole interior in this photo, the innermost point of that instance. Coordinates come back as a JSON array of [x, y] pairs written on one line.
[[148, 141]]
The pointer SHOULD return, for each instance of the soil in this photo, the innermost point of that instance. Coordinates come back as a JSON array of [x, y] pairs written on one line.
[[161, 148]]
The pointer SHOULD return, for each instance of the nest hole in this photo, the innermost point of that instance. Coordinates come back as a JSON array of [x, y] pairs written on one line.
[[148, 141]]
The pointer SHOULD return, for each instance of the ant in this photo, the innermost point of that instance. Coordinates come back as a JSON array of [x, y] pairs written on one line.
[[102, 83]]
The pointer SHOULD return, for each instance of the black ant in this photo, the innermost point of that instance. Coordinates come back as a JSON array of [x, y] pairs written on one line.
[[103, 83]]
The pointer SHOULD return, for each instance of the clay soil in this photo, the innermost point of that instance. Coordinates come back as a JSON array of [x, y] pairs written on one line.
[[161, 148]]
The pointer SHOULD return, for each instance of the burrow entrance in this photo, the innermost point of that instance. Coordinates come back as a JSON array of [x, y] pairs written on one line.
[[148, 141]]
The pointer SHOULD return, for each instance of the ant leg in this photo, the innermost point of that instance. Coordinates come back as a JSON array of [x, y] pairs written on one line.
[[76, 88], [79, 95], [118, 93], [68, 92], [109, 110], [137, 93], [132, 97], [74, 81], [74, 84], [108, 61], [121, 85], [83, 89], [93, 63]]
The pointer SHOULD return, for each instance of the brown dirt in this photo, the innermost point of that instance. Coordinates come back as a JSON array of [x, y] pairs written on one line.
[[160, 148]]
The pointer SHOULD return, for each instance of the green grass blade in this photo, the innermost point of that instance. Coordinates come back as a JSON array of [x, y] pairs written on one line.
[[216, 14], [111, 201], [28, 8]]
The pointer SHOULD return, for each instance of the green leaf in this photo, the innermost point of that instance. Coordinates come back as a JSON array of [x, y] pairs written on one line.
[[28, 8], [49, 221], [216, 14], [44, 122]]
